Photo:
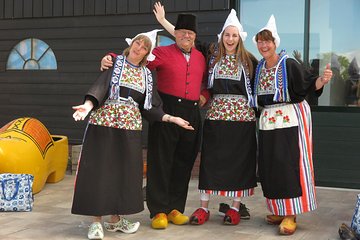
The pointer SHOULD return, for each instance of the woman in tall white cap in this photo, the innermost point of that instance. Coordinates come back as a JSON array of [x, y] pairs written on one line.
[[228, 154], [285, 131], [110, 171]]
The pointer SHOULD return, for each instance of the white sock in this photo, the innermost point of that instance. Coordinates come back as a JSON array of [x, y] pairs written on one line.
[[234, 208], [204, 197], [206, 209]]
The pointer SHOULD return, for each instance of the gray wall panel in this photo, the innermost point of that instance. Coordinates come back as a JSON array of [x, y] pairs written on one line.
[[169, 5], [48, 8], [100, 7], [78, 7], [180, 6], [220, 4], [37, 8], [205, 4], [10, 9], [89, 7], [68, 7], [2, 9], [18, 10], [122, 6], [336, 136], [111, 6], [27, 9], [58, 8], [193, 5], [133, 6]]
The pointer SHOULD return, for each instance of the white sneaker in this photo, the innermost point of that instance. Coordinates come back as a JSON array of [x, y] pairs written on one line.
[[122, 225], [95, 231]]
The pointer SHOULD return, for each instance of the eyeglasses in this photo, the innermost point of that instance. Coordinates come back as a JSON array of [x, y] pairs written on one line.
[[265, 43], [184, 32]]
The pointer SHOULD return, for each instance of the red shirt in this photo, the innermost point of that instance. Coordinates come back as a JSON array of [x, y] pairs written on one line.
[[176, 76]]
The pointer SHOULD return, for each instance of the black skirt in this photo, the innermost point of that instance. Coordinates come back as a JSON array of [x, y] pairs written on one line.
[[279, 167], [228, 156], [110, 173]]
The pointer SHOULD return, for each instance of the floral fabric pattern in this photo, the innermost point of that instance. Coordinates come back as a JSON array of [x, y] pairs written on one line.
[[230, 108], [133, 77], [278, 116], [266, 83], [228, 68], [118, 114]]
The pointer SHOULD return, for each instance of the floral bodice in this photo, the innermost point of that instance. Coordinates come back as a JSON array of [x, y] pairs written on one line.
[[133, 77], [266, 84], [228, 68]]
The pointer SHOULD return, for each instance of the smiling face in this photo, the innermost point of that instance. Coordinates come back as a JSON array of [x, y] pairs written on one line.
[[139, 50], [266, 45], [185, 39], [230, 39]]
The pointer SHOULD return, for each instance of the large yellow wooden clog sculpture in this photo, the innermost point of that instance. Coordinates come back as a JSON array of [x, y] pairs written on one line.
[[26, 146]]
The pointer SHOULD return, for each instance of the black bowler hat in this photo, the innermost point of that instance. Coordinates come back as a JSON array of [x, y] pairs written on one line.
[[186, 21]]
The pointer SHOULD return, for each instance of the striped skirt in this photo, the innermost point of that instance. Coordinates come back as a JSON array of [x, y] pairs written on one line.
[[279, 119]]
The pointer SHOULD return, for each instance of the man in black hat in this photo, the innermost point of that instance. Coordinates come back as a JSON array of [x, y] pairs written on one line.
[[172, 151]]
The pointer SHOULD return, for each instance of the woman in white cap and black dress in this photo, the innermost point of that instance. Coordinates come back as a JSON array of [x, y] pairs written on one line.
[[228, 154], [110, 171], [285, 131]]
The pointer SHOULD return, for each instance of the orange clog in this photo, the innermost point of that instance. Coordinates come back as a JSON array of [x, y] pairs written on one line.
[[26, 146]]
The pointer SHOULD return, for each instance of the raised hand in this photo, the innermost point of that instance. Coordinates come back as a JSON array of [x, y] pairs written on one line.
[[327, 75], [159, 12], [325, 78]]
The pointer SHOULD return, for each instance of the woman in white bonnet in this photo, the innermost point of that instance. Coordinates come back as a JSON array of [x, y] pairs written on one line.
[[228, 153], [110, 171], [285, 131]]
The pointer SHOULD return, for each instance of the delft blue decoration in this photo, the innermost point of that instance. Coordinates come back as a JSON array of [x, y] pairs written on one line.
[[16, 192], [355, 223]]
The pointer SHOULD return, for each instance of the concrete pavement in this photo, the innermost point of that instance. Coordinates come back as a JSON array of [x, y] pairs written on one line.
[[51, 219]]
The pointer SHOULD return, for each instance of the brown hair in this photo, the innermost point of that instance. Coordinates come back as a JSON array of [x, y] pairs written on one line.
[[147, 43], [265, 35], [242, 55]]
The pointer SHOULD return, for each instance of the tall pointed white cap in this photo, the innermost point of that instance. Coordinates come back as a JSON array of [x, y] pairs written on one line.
[[232, 20], [271, 26], [152, 36]]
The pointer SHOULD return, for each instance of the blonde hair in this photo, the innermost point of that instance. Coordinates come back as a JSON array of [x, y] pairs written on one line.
[[242, 55], [147, 43]]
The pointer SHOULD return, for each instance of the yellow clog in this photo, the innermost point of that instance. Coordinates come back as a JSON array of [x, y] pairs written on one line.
[[26, 146], [288, 225], [177, 217], [160, 221]]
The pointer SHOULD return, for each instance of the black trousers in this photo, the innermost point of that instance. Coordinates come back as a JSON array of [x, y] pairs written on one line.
[[172, 151]]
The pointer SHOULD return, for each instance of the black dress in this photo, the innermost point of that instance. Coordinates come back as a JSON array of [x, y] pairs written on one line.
[[228, 155], [110, 170]]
